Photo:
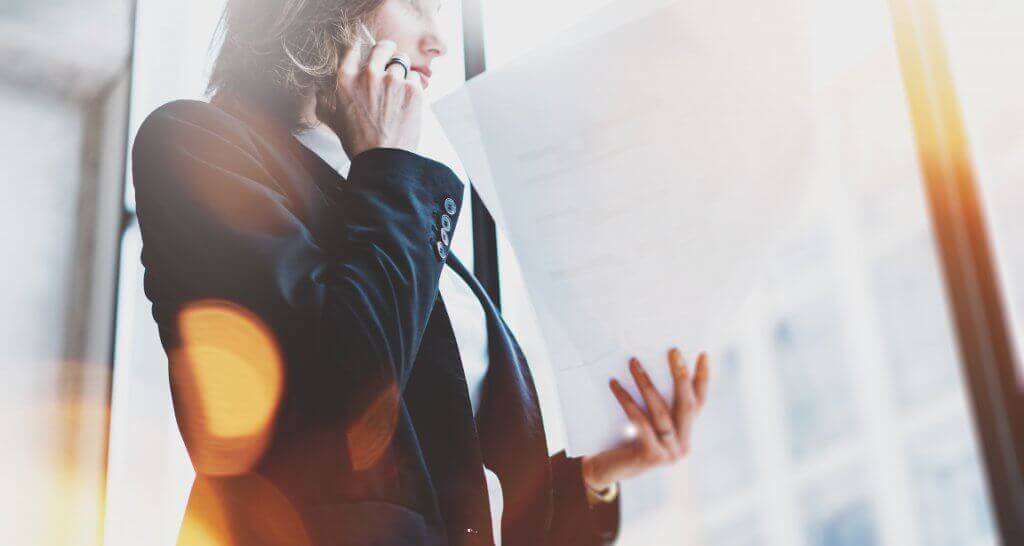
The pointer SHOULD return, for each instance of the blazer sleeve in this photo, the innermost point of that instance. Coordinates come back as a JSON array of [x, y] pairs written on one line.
[[349, 308], [574, 522]]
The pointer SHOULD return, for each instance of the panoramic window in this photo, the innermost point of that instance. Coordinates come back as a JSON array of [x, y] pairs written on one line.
[[838, 415]]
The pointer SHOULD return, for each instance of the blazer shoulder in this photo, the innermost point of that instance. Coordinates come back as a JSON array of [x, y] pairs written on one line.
[[182, 122], [194, 144]]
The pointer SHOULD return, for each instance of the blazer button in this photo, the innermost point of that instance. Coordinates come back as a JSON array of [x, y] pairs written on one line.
[[442, 250], [472, 531], [446, 222], [449, 206]]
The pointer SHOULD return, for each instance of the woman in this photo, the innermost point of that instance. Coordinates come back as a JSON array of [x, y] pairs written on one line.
[[394, 423]]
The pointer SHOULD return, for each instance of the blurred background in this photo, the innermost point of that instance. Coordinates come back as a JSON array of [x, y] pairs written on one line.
[[845, 412]]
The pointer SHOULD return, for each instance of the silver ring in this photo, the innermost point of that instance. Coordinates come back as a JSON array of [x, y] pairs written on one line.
[[400, 60], [662, 434]]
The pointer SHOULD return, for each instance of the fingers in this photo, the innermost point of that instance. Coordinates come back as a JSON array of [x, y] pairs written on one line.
[[660, 415], [413, 92], [633, 411], [396, 70], [381, 109], [380, 55], [650, 449], [685, 403], [700, 381], [350, 61], [376, 71], [415, 83]]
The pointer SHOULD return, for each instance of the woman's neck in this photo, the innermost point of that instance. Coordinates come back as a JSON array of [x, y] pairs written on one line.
[[307, 112]]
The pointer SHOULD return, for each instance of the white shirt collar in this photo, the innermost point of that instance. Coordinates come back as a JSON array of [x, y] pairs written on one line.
[[322, 141]]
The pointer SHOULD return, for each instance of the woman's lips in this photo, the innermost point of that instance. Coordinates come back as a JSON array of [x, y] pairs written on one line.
[[424, 73]]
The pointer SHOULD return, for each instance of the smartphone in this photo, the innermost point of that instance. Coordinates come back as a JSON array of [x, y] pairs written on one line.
[[366, 35], [368, 41]]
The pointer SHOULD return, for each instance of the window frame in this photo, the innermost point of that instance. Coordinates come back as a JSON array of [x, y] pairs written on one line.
[[485, 234]]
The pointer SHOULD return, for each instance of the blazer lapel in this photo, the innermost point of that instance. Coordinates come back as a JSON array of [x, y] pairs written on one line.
[[439, 407], [306, 178], [511, 429]]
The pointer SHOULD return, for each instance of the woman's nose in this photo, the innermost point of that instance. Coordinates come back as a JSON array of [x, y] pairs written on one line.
[[433, 45]]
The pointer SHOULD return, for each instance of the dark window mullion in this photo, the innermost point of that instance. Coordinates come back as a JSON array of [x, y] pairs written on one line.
[[485, 233], [972, 284]]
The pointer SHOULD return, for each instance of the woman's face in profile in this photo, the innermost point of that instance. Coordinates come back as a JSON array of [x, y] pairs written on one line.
[[413, 25]]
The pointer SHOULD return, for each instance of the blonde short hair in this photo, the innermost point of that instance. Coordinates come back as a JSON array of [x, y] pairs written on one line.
[[279, 53]]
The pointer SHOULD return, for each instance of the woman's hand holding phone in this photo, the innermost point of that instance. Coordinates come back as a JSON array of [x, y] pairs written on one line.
[[374, 107]]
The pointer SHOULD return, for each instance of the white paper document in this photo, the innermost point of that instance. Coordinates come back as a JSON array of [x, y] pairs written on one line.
[[639, 174]]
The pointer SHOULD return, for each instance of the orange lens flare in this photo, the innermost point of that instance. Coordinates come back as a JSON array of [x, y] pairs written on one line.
[[247, 510], [931, 95], [369, 437], [55, 463], [227, 379]]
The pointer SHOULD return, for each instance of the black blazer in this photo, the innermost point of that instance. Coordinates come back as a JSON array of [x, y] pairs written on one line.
[[374, 441]]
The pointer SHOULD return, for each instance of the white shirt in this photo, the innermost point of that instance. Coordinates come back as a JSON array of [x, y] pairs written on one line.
[[469, 321]]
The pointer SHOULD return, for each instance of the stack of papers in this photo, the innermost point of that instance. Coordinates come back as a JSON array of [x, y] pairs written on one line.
[[640, 166]]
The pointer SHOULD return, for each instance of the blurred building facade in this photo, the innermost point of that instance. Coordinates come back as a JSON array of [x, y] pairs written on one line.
[[63, 92]]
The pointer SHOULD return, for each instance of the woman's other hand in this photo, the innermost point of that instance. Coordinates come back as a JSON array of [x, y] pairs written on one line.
[[374, 107], [662, 432]]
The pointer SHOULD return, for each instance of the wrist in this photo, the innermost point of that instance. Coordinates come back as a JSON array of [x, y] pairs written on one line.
[[592, 477], [608, 495], [599, 490]]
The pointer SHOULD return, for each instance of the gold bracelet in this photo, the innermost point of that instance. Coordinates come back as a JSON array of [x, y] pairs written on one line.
[[609, 494]]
